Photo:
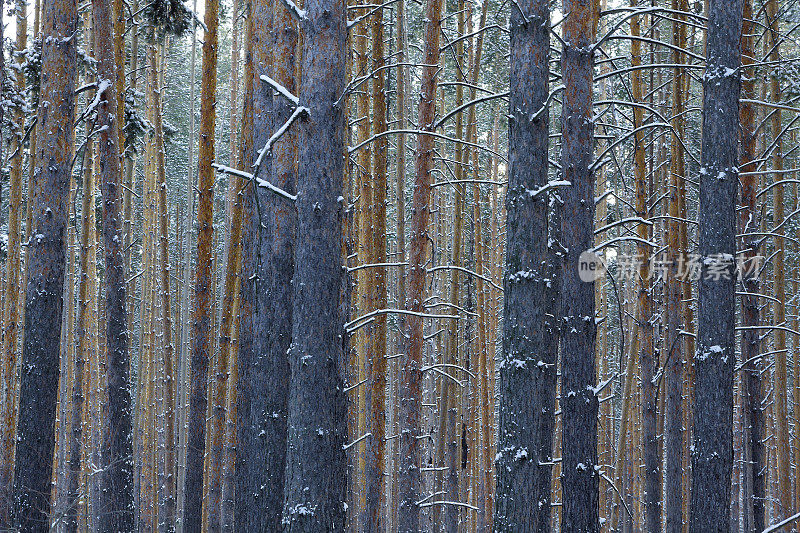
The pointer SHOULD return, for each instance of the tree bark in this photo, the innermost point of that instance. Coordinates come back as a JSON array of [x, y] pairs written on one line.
[[87, 342], [316, 462], [712, 454], [780, 387], [376, 451], [203, 320], [644, 305], [530, 342], [675, 345], [46, 265], [579, 404], [410, 478], [117, 435], [11, 318], [754, 475], [266, 278]]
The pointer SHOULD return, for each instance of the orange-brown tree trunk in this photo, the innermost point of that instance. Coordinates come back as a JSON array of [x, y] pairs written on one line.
[[203, 320]]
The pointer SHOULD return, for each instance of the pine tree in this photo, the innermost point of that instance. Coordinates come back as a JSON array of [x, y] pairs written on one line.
[[712, 453], [579, 404], [530, 341], [316, 463], [202, 324], [45, 267], [411, 371]]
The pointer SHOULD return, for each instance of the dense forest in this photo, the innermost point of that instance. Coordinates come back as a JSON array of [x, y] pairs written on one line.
[[410, 265]]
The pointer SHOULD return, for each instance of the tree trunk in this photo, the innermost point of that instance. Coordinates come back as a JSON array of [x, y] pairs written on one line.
[[11, 318], [117, 439], [780, 387], [402, 122], [376, 451], [87, 343], [203, 320], [448, 452], [676, 354], [46, 265], [267, 271], [712, 454], [755, 472], [316, 462], [644, 305], [215, 447], [530, 342], [579, 402], [410, 478], [167, 511]]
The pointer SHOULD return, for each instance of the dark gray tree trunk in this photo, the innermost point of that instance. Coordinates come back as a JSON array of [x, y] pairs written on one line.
[[712, 452], [46, 265], [268, 276], [528, 368], [247, 428], [316, 463], [579, 405], [117, 480]]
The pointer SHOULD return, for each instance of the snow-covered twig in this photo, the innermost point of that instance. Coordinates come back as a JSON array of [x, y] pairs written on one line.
[[260, 182], [466, 271], [359, 439], [278, 134], [445, 502], [776, 527], [546, 187], [445, 365], [280, 89], [771, 328], [637, 220], [299, 14], [360, 145], [547, 102], [469, 104], [351, 23], [428, 497], [375, 265], [604, 384], [769, 104], [353, 387], [349, 325], [620, 239], [101, 88]]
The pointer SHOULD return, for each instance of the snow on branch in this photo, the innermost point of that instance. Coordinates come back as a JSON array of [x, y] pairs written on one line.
[[621, 239], [359, 439], [360, 145], [634, 220], [533, 193], [351, 23], [445, 365], [260, 182], [375, 265], [446, 502], [364, 319], [299, 14], [466, 271], [776, 527], [98, 95], [278, 134], [469, 104], [280, 89]]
